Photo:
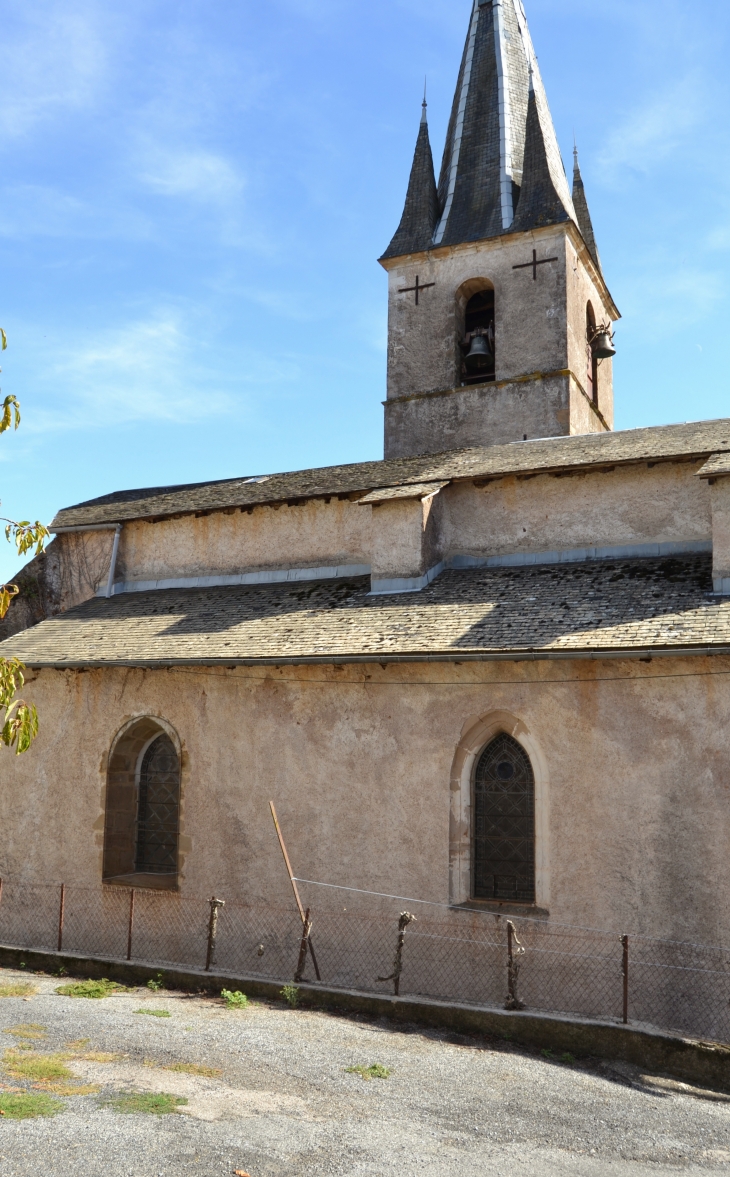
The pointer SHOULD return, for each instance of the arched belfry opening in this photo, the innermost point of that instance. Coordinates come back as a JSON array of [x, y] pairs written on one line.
[[503, 834], [591, 357], [476, 342], [142, 820]]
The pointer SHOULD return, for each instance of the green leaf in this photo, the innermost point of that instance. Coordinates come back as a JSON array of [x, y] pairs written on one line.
[[3, 339]]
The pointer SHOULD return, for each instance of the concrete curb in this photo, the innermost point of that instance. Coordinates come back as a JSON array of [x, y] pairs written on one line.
[[705, 1063]]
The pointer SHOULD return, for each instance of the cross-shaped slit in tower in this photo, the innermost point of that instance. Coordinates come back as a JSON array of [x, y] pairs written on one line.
[[418, 288], [534, 264]]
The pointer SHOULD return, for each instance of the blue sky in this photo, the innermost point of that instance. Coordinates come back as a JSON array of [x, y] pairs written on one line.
[[193, 197]]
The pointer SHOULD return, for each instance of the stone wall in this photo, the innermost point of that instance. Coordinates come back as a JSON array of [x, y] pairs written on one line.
[[633, 777]]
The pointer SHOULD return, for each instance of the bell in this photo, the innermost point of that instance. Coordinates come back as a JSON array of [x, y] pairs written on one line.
[[480, 355], [602, 344]]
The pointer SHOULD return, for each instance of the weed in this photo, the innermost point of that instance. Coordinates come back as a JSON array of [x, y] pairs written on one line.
[[374, 1071], [237, 1000], [290, 993], [18, 989], [25, 1046], [155, 984], [74, 1088], [134, 1102], [102, 988], [38, 1067], [194, 1069], [25, 1106], [155, 1013], [99, 1056], [27, 1030], [567, 1057], [79, 1044], [547, 1053]]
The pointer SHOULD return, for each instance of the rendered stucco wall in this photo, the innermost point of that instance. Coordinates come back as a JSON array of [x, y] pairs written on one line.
[[635, 770]]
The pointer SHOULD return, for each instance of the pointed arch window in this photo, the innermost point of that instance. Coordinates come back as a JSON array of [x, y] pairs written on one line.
[[504, 823], [158, 809], [143, 796]]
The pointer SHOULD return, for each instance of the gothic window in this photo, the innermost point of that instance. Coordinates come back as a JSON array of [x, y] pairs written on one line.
[[157, 809], [591, 361], [141, 830], [504, 823], [477, 347]]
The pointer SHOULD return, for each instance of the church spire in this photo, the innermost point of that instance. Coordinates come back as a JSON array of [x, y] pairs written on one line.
[[485, 146], [543, 193], [415, 231], [583, 216]]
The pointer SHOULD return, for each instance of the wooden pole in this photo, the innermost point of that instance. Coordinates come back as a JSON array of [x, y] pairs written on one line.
[[292, 880]]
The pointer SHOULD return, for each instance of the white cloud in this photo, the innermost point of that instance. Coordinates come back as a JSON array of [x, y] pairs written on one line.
[[197, 175], [654, 131], [35, 210], [144, 371], [53, 59]]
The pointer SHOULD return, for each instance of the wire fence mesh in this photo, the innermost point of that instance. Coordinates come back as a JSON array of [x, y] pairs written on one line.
[[375, 946]]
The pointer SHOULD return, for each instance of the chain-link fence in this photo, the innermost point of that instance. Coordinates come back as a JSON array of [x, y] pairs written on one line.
[[350, 940]]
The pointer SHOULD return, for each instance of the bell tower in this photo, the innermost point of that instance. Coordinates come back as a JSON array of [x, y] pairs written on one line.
[[499, 318]]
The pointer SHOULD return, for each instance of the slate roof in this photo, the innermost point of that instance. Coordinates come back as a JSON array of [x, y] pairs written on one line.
[[580, 203], [693, 440], [620, 606], [421, 211], [482, 169], [540, 202]]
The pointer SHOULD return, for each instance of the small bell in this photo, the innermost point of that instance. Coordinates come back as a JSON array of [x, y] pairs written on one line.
[[480, 356], [602, 343]]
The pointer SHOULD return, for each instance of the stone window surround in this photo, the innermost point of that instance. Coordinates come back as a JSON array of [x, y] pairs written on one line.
[[475, 736], [149, 728]]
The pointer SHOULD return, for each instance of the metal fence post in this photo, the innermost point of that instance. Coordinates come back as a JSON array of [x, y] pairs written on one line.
[[61, 915], [513, 967], [405, 919], [625, 971], [215, 905], [130, 927]]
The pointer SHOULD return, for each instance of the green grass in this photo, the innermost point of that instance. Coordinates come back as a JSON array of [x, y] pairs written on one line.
[[290, 993], [374, 1071], [136, 1103], [18, 989], [155, 1013], [25, 1106], [235, 1000], [39, 1068], [28, 1030], [96, 989], [156, 984], [194, 1069]]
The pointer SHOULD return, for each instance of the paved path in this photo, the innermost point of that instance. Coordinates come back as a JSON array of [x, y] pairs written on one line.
[[283, 1103]]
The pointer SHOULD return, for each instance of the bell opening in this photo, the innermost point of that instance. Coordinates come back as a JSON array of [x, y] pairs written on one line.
[[478, 365]]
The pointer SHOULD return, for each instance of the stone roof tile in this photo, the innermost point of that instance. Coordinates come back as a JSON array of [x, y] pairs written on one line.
[[697, 439], [604, 606]]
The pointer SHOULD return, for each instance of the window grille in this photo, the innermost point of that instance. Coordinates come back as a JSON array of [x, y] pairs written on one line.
[[158, 809], [504, 823]]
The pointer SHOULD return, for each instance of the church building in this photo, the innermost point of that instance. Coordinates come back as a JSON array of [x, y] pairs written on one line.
[[491, 670]]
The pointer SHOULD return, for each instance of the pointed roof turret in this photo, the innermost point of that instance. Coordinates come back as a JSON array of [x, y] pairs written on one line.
[[421, 211], [485, 146], [583, 216], [544, 197]]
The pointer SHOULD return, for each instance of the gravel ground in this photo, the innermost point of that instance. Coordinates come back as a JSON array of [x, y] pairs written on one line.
[[284, 1104]]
